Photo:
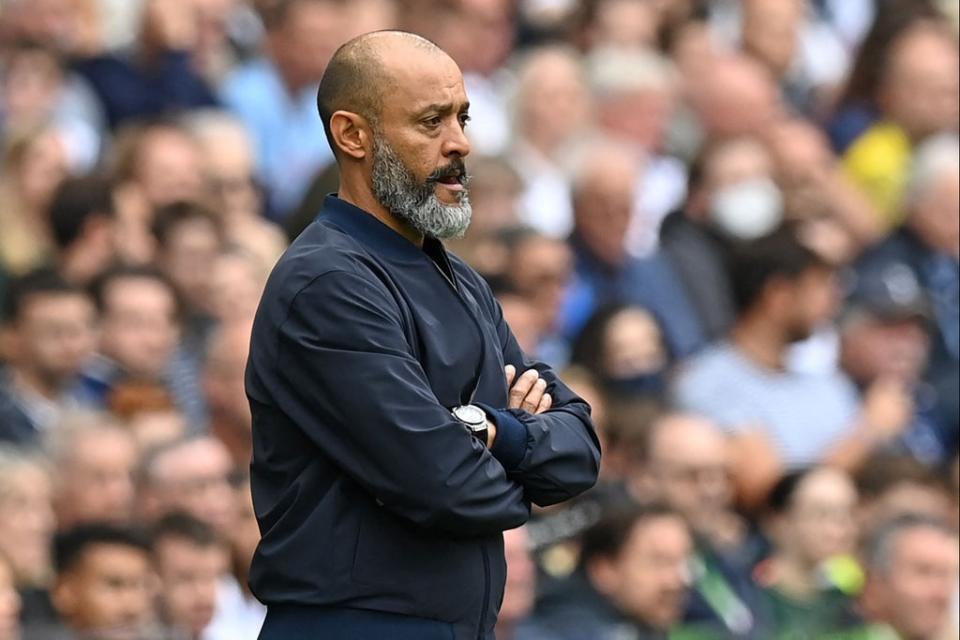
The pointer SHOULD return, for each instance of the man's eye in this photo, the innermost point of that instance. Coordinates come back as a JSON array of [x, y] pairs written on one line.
[[435, 121], [464, 119]]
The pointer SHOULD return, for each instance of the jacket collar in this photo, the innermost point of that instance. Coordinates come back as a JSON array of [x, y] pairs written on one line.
[[365, 228]]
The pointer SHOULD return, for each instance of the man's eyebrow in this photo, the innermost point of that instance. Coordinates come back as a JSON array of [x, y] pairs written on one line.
[[443, 108]]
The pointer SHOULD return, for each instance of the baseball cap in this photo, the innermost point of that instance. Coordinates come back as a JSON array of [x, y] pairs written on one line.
[[889, 291]]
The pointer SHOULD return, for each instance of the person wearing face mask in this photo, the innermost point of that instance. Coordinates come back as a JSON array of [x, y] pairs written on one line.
[[622, 345], [732, 197]]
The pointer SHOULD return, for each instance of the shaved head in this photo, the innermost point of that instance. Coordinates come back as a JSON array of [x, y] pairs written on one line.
[[357, 76]]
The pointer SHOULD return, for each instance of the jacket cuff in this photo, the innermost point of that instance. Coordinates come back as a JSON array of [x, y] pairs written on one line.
[[510, 445]]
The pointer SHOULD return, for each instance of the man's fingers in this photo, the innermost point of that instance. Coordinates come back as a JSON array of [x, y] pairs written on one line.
[[511, 372], [532, 399], [522, 387], [545, 403]]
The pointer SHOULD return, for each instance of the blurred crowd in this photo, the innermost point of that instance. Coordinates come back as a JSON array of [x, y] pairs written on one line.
[[733, 224]]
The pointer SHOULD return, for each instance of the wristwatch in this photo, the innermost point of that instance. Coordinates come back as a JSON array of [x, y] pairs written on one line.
[[474, 419]]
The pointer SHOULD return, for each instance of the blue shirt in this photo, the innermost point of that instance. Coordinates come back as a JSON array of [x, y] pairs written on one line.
[[649, 282], [291, 147], [130, 90], [802, 414]]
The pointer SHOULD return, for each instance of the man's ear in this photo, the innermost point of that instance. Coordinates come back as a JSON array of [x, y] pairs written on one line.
[[350, 133]]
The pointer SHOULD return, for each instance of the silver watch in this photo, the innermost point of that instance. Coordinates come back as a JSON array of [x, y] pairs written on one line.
[[474, 419]]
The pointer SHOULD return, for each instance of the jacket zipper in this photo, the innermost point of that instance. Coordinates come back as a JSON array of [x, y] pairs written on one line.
[[451, 282], [486, 590], [485, 554]]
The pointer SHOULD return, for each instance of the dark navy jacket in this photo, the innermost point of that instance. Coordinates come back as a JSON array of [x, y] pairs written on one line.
[[368, 494]]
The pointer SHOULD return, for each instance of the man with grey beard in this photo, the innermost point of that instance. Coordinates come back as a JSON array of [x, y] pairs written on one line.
[[398, 428]]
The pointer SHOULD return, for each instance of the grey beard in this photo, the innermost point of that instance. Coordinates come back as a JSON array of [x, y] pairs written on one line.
[[396, 188]]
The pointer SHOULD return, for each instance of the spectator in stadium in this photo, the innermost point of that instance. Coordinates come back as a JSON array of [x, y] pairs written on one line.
[[687, 467], [239, 276], [158, 76], [926, 250], [636, 562], [636, 95], [479, 36], [192, 475], [893, 485], [223, 379], [912, 563], [736, 97], [34, 163], [553, 108], [622, 346], [189, 239], [918, 98], [155, 163], [730, 194], [818, 193], [784, 292], [140, 329], [83, 228], [105, 583], [152, 164], [275, 95], [806, 582], [48, 334], [885, 340], [37, 88], [540, 270], [858, 105], [604, 197], [69, 26], [190, 561], [235, 194], [27, 525], [93, 459], [804, 56]]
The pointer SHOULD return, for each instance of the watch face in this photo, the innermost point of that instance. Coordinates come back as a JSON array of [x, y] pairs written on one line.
[[470, 414]]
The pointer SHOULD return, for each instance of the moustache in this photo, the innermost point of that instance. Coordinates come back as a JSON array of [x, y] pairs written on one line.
[[456, 169]]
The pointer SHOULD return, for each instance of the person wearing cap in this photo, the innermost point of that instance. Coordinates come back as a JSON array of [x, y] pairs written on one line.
[[885, 344], [398, 428], [928, 246]]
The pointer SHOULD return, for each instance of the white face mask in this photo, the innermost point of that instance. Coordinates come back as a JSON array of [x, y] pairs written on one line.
[[747, 209]]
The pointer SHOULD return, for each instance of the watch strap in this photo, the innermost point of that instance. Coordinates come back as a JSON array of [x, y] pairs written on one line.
[[510, 445]]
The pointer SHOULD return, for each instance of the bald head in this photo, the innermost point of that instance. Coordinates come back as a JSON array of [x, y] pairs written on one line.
[[359, 74], [688, 465], [682, 436]]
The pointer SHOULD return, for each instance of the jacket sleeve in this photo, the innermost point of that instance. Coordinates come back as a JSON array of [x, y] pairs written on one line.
[[555, 455], [348, 378]]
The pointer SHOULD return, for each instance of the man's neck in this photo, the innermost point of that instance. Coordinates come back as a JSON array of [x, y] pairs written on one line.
[[760, 341], [365, 200]]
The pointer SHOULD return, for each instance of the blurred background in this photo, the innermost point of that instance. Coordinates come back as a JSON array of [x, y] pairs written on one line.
[[733, 224]]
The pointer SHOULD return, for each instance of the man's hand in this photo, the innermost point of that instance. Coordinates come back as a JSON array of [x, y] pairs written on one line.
[[528, 392], [887, 408]]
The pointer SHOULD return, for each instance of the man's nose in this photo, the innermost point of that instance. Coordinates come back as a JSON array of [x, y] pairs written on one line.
[[456, 142]]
